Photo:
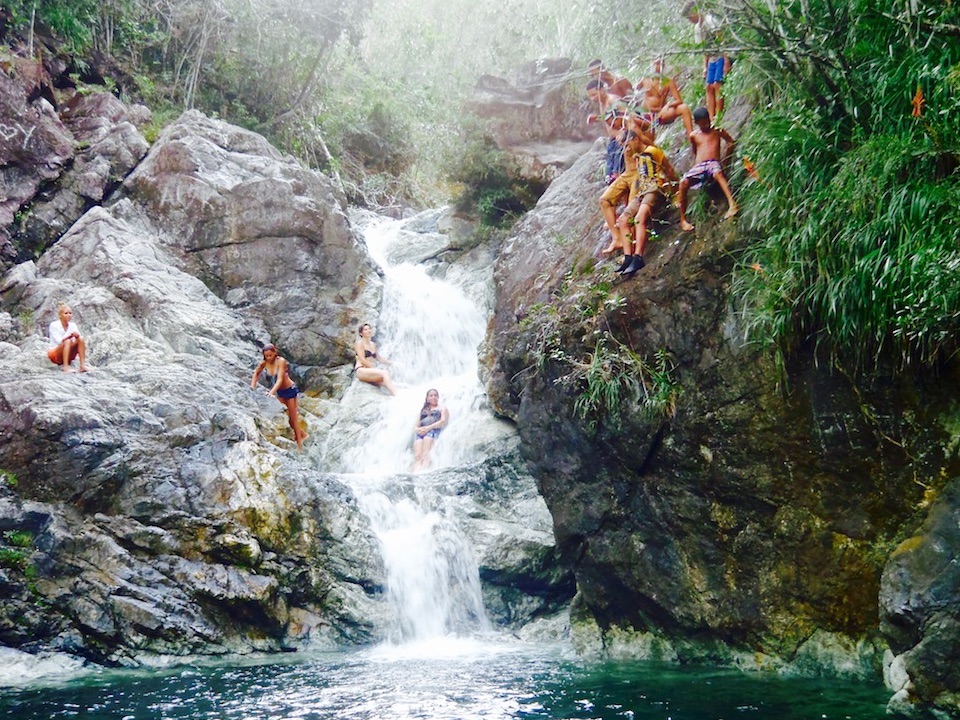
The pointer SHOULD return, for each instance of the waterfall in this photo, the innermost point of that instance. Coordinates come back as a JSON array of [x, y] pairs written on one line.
[[430, 331]]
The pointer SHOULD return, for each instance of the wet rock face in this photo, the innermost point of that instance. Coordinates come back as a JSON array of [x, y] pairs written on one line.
[[60, 155], [750, 520], [537, 114], [920, 607]]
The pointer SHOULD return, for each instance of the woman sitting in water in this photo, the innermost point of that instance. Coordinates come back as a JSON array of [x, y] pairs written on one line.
[[366, 368], [433, 419], [277, 373]]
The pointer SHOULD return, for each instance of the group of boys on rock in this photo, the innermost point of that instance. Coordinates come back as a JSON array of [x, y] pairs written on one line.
[[638, 173]]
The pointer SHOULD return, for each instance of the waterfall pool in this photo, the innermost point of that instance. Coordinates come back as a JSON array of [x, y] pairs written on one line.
[[442, 661], [445, 679]]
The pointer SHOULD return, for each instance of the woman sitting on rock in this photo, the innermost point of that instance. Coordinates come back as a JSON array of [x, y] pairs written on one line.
[[366, 368], [433, 419], [66, 344], [277, 374]]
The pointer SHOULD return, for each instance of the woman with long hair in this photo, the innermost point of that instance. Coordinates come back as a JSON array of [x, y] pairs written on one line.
[[365, 365], [433, 418], [276, 371]]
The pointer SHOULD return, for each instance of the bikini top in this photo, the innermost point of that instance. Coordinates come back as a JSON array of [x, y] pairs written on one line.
[[367, 353], [429, 417]]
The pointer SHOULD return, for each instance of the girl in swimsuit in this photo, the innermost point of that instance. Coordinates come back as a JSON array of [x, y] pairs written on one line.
[[433, 418], [365, 351], [277, 374]]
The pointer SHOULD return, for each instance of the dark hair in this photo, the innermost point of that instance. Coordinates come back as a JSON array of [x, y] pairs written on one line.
[[362, 326], [689, 7], [701, 113], [595, 63], [426, 403], [269, 346], [596, 85]]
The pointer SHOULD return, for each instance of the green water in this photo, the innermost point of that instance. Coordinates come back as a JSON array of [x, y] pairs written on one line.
[[455, 682]]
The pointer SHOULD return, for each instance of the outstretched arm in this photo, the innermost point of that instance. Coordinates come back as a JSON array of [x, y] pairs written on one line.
[[256, 375]]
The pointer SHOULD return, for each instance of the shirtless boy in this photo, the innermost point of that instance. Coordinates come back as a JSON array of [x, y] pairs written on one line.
[[706, 141], [614, 84], [617, 119], [661, 100]]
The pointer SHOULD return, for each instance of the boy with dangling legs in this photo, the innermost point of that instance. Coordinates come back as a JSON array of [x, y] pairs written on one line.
[[655, 177], [621, 189], [706, 141]]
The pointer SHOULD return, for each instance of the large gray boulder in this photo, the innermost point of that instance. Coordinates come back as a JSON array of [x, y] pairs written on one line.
[[108, 144], [35, 147], [162, 511], [269, 237], [537, 114]]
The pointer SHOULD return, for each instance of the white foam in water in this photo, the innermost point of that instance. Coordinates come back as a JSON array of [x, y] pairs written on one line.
[[430, 331], [20, 668]]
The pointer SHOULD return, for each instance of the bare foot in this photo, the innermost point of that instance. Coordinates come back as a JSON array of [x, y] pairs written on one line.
[[731, 212], [609, 248], [84, 368], [686, 226], [69, 369]]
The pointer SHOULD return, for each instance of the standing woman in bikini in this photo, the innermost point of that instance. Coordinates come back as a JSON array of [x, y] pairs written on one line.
[[277, 374], [365, 351]]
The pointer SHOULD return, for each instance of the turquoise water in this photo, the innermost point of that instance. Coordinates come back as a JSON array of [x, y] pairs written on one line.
[[470, 682]]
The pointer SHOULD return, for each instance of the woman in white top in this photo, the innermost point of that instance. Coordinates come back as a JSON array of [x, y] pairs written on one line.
[[66, 344]]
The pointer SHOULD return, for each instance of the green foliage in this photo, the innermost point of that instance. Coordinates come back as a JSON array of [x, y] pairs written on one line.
[[855, 208], [18, 538], [492, 185], [8, 479], [610, 379], [70, 20], [614, 379], [15, 548]]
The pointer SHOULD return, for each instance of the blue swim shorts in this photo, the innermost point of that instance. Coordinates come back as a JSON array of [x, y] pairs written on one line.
[[715, 71]]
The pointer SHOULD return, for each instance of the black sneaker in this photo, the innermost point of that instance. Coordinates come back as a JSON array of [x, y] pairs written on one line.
[[636, 264]]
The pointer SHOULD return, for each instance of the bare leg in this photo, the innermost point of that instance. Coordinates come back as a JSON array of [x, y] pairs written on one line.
[[375, 376], [643, 219], [725, 187], [67, 353], [425, 447], [293, 417], [609, 211], [682, 205], [82, 351], [417, 454]]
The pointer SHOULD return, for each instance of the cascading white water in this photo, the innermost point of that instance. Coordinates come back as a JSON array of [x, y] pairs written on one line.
[[430, 331]]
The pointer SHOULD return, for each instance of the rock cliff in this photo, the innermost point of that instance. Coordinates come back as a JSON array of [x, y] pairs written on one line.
[[722, 512], [155, 505]]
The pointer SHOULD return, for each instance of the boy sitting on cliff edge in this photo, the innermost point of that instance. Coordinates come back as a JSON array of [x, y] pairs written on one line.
[[706, 141]]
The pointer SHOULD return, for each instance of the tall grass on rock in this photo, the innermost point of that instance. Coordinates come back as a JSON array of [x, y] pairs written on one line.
[[853, 211]]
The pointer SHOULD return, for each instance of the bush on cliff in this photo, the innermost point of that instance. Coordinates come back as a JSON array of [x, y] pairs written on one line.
[[854, 207]]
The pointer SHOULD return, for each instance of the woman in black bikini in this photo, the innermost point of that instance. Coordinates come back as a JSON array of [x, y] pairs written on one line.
[[433, 419], [366, 368], [277, 374]]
